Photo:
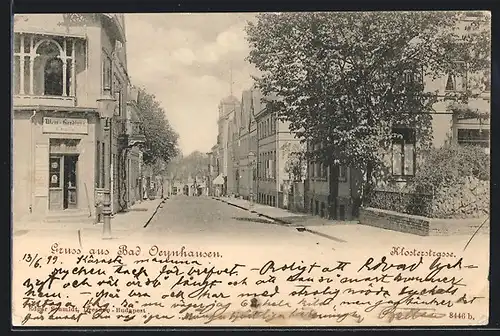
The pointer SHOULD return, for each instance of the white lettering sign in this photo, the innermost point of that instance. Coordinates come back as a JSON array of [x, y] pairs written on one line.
[[65, 125]]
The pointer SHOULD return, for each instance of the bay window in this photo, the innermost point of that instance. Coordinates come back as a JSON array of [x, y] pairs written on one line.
[[44, 65], [403, 152]]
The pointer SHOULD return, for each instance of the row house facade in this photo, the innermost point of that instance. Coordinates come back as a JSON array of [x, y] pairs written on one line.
[[243, 130], [70, 88], [247, 149], [233, 160], [132, 135], [228, 107], [214, 189], [252, 152], [275, 144]]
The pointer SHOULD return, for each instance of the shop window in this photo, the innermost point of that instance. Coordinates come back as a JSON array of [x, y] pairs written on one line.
[[55, 172], [403, 152]]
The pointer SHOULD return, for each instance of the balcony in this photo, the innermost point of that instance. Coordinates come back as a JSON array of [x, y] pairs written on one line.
[[130, 133], [45, 69], [42, 100]]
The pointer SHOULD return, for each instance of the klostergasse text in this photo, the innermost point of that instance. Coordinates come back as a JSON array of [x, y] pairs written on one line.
[[156, 286]]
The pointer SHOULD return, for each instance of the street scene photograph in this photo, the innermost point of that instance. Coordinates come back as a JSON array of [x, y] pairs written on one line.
[[251, 169]]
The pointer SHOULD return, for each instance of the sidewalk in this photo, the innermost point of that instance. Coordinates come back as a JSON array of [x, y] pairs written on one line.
[[354, 234], [281, 216], [123, 224]]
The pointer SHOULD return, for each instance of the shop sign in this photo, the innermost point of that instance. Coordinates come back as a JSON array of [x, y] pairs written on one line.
[[65, 125]]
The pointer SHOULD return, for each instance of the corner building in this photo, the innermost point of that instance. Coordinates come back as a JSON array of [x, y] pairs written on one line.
[[62, 68]]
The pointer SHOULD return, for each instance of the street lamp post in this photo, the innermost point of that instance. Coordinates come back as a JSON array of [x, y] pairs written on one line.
[[106, 213], [106, 108], [251, 163]]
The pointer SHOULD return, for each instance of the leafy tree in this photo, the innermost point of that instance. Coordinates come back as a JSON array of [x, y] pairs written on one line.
[[194, 165], [345, 79], [295, 164], [161, 139]]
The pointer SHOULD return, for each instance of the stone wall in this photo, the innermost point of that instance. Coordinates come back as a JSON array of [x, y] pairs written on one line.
[[419, 225]]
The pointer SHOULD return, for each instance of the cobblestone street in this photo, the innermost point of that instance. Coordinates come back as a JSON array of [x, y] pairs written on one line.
[[206, 221]]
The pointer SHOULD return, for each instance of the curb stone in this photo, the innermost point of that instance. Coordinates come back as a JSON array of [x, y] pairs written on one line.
[[300, 228], [155, 211], [276, 221], [324, 235]]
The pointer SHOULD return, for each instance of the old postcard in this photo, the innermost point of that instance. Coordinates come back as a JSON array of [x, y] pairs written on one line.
[[251, 169]]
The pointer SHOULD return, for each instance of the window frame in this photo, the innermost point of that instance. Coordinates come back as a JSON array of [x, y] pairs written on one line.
[[29, 63], [342, 173], [107, 74], [457, 75], [408, 137], [59, 172], [480, 142]]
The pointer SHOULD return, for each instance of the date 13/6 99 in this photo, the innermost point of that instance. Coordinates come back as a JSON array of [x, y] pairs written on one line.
[[36, 261]]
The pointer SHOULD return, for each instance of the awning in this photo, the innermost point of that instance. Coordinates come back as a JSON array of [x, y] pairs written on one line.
[[219, 179]]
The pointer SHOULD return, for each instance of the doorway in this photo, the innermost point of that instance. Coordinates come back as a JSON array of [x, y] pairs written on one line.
[[63, 188]]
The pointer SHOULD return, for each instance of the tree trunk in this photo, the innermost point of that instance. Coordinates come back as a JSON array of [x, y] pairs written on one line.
[[334, 190], [368, 185]]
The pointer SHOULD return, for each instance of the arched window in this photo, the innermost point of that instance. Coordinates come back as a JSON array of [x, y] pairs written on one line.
[[44, 65], [53, 77], [48, 69]]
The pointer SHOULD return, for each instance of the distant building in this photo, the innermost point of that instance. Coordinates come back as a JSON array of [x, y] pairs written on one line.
[[274, 140], [248, 143], [228, 107], [133, 136]]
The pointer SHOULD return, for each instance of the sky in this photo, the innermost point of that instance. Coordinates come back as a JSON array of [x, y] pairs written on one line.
[[185, 60]]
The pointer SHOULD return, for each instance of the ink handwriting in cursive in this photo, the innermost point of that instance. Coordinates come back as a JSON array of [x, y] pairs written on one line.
[[392, 313]]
